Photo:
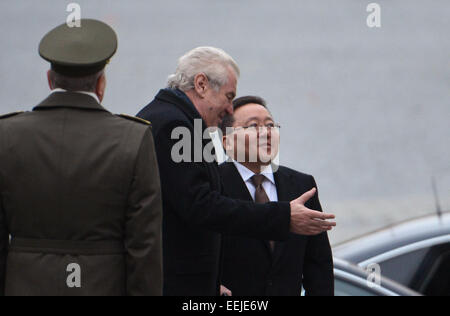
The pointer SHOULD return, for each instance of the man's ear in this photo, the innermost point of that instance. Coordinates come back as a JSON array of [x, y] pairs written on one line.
[[201, 84], [225, 144], [228, 143], [224, 141], [49, 79], [101, 87]]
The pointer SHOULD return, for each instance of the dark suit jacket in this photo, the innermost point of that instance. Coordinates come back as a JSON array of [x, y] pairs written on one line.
[[251, 269], [78, 185], [194, 210]]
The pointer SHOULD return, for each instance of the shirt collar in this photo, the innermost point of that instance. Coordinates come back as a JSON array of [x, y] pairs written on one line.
[[92, 94], [247, 174]]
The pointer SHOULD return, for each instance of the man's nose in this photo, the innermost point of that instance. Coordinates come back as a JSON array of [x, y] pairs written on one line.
[[263, 131], [230, 109]]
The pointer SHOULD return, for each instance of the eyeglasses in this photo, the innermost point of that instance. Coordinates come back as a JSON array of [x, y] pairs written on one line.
[[256, 128]]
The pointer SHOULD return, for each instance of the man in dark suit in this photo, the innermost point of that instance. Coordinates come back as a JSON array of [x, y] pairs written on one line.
[[79, 187], [255, 267], [195, 214]]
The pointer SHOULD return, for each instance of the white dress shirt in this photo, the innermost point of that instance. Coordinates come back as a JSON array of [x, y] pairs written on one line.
[[92, 94], [268, 184]]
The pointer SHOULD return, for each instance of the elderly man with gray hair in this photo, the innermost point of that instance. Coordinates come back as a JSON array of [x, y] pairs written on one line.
[[195, 213]]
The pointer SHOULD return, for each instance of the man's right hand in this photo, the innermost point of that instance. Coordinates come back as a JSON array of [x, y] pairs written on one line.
[[305, 221]]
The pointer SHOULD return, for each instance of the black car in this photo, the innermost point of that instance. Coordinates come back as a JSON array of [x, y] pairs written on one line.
[[415, 253]]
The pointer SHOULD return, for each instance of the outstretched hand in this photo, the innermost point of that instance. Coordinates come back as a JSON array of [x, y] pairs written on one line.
[[305, 221]]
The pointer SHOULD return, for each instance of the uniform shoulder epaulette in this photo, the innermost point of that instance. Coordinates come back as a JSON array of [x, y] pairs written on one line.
[[134, 118], [11, 114]]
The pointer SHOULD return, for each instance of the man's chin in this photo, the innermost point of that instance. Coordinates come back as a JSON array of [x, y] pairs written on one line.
[[266, 158], [216, 124], [265, 151]]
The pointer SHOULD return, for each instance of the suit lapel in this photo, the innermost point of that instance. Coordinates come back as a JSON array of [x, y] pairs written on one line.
[[238, 189]]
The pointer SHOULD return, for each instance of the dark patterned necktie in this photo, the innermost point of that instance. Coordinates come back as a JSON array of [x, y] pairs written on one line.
[[261, 196]]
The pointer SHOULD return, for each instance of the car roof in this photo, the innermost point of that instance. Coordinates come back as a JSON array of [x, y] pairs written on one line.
[[393, 237]]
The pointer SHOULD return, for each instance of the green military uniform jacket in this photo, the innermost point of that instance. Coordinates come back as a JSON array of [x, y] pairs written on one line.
[[80, 202]]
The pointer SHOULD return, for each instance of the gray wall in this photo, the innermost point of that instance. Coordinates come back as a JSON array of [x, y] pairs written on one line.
[[364, 110]]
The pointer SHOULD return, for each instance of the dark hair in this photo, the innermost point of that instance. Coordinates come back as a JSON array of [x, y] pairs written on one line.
[[87, 83], [228, 120], [237, 103]]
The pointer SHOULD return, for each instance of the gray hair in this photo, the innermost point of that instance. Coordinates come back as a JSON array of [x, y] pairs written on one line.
[[86, 83], [213, 62]]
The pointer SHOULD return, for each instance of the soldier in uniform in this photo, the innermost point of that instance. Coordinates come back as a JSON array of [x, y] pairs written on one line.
[[80, 200]]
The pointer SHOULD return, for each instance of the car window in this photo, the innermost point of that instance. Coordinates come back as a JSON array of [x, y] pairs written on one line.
[[345, 288], [403, 268], [433, 278], [425, 270]]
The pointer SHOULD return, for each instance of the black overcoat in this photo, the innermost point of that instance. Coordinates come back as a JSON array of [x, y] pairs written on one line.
[[195, 212]]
